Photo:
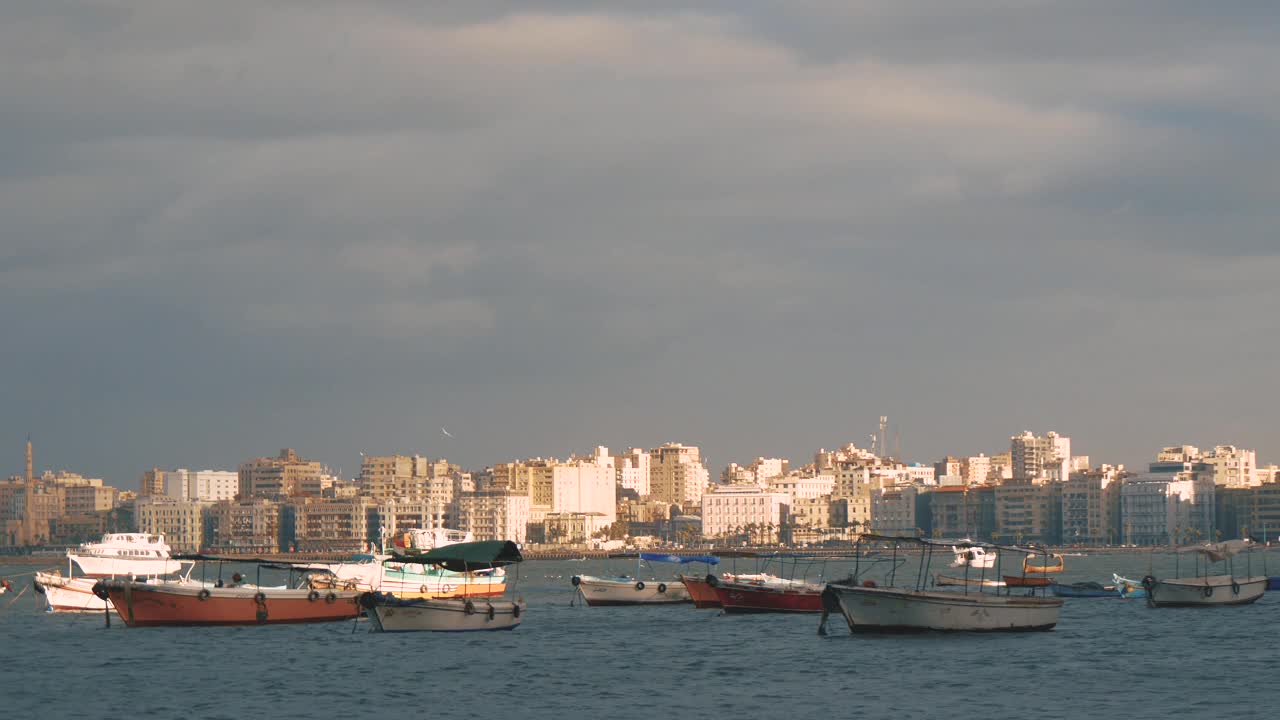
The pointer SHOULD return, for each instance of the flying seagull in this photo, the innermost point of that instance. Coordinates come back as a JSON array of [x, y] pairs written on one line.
[[446, 432]]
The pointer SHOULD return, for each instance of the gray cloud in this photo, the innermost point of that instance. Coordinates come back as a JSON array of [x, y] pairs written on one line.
[[554, 225]]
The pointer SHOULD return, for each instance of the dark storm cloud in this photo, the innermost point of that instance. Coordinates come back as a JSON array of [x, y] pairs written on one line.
[[750, 226]]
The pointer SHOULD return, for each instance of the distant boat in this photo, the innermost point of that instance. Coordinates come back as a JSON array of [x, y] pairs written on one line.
[[973, 556], [1056, 564], [953, 581], [633, 590], [143, 604], [1273, 583], [118, 554], [771, 594], [1024, 581]]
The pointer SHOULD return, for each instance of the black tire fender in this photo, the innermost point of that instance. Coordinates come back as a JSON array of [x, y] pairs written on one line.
[[203, 594], [469, 608], [640, 585], [662, 587]]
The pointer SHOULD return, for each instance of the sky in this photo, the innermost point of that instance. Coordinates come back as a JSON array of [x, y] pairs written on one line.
[[229, 228]]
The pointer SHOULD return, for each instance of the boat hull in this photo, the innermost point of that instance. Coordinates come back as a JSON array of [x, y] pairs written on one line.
[[93, 566], [62, 594], [738, 598], [606, 592], [442, 615], [895, 610], [949, 580], [1084, 591], [700, 591], [1023, 581], [1213, 590], [159, 604]]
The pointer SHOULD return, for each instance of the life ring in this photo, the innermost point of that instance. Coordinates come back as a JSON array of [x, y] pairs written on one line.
[[469, 608], [492, 612], [640, 585], [1235, 587], [237, 578], [313, 596], [203, 594], [712, 580], [576, 581], [331, 597], [260, 597], [423, 589], [448, 588], [1208, 591], [662, 587], [515, 611]]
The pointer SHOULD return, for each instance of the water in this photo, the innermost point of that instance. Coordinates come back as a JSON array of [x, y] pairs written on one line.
[[1108, 658]]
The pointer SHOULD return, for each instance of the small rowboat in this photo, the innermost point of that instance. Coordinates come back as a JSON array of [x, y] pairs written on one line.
[[1056, 565], [1084, 590], [1023, 581], [950, 580]]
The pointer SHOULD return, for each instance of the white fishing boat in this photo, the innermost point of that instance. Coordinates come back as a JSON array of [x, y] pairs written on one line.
[[388, 613], [870, 607], [635, 590], [121, 554], [973, 556], [68, 594], [370, 572], [1205, 590], [955, 581]]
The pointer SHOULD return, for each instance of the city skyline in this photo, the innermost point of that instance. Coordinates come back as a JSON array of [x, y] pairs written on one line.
[[550, 225]]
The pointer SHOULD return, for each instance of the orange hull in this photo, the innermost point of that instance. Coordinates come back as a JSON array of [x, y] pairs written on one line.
[[143, 605], [703, 594]]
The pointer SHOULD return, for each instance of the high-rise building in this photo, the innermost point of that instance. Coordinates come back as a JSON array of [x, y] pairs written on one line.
[[1091, 506], [1036, 457], [677, 475], [730, 510], [181, 521], [151, 483], [494, 515]]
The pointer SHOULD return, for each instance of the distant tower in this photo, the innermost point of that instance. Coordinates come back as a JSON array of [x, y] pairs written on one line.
[[30, 473], [884, 448], [28, 517]]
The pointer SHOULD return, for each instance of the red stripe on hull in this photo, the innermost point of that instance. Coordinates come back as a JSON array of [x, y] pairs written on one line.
[[739, 599], [152, 608]]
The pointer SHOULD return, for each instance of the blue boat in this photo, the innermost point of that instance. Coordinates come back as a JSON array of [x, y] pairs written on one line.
[[1273, 583], [1085, 590]]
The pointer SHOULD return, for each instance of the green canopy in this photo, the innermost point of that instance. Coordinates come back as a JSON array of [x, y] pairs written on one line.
[[461, 557]]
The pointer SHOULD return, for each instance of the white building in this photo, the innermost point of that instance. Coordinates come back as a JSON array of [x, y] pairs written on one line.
[[893, 511], [633, 470], [497, 515], [1159, 508], [1041, 457], [797, 486], [976, 470], [731, 509], [1233, 467], [207, 485]]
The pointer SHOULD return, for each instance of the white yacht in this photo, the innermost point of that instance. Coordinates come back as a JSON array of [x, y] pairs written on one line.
[[138, 554]]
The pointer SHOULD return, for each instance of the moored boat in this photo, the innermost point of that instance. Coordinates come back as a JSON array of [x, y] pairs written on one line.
[[784, 596], [1128, 589], [954, 581], [388, 613], [633, 590], [1207, 590], [144, 604], [701, 590], [1055, 564], [139, 554], [867, 607], [969, 554], [68, 594], [1024, 581], [1084, 590]]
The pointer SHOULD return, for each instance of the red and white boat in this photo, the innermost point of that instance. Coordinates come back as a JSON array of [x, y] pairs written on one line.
[[768, 594], [144, 604], [701, 590]]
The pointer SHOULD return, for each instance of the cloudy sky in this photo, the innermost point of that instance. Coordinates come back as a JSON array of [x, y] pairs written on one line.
[[233, 227]]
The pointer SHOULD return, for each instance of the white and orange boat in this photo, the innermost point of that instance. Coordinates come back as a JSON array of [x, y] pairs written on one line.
[[158, 603], [382, 573]]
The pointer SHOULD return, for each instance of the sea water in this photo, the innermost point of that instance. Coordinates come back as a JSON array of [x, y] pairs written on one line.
[[1106, 659]]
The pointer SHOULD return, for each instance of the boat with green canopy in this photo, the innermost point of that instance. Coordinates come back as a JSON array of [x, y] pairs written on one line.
[[388, 613]]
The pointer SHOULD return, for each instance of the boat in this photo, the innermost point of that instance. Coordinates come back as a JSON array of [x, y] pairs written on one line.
[[74, 593], [770, 595], [632, 590], [953, 581], [1024, 581], [1205, 590], [148, 603], [1056, 564], [140, 554], [701, 590], [870, 607], [1088, 589], [1128, 589], [388, 613], [369, 572], [973, 556], [1273, 583]]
